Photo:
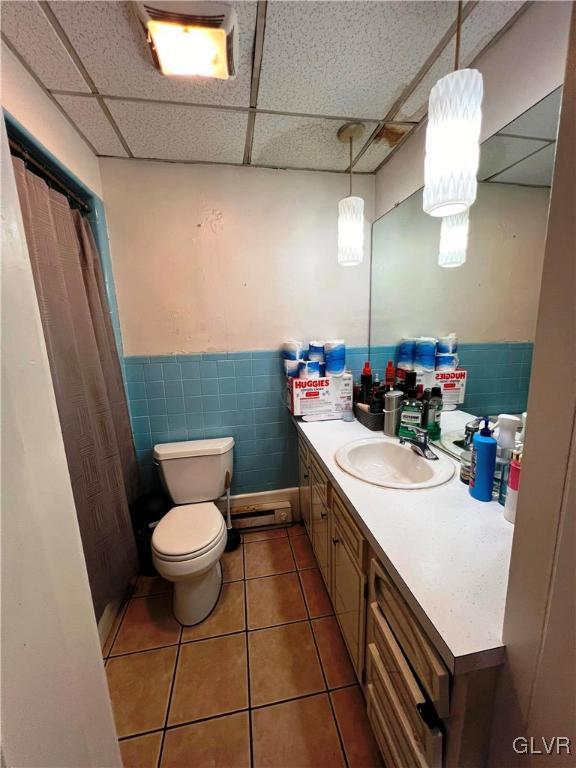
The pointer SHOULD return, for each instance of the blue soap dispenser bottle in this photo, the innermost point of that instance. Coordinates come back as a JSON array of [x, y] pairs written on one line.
[[483, 464]]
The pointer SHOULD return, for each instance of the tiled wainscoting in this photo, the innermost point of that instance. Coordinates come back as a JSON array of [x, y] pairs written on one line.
[[242, 394], [265, 680]]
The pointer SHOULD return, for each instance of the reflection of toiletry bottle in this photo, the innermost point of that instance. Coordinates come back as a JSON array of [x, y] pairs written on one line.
[[425, 406], [513, 486], [507, 426], [411, 415], [366, 383], [434, 413], [389, 375], [375, 385], [483, 463]]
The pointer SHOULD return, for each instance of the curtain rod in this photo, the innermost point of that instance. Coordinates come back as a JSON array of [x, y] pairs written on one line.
[[62, 187]]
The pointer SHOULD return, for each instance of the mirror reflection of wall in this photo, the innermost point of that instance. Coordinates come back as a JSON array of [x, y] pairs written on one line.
[[491, 301]]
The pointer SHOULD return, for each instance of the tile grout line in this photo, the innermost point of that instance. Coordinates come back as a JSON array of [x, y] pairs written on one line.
[[250, 735], [340, 740], [169, 703]]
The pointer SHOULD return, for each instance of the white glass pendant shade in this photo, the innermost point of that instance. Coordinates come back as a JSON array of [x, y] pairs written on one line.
[[350, 231], [452, 143], [453, 240]]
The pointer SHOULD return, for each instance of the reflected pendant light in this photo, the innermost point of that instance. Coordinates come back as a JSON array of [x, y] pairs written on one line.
[[453, 240], [452, 139], [350, 210]]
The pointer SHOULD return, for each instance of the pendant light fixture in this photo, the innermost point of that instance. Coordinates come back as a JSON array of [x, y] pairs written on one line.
[[453, 240], [452, 138], [350, 209]]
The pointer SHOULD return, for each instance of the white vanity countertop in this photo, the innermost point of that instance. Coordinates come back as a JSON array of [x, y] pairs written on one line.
[[448, 553]]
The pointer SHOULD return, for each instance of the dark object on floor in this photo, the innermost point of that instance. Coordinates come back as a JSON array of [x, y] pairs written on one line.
[[233, 540], [145, 514]]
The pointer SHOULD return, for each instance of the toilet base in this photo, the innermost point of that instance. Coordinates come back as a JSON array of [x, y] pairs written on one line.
[[195, 598]]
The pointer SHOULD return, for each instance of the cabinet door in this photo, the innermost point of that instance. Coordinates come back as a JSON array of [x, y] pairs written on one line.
[[348, 597], [321, 534], [304, 492]]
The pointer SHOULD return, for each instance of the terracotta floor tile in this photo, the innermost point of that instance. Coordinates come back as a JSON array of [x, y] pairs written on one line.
[[303, 552], [359, 742], [139, 687], [273, 533], [227, 616], [233, 565], [300, 734], [142, 751], [148, 623], [274, 600], [315, 593], [297, 529], [267, 558], [220, 743], [151, 585], [283, 663], [211, 679], [333, 652]]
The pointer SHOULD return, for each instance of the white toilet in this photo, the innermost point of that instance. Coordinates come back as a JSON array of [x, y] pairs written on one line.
[[188, 542]]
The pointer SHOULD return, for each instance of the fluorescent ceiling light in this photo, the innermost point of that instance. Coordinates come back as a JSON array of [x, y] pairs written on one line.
[[188, 50]]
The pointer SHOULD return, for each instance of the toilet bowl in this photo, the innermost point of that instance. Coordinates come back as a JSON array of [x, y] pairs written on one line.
[[189, 541], [187, 545]]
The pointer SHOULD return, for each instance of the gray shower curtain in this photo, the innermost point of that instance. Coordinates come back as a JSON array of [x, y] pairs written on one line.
[[87, 382]]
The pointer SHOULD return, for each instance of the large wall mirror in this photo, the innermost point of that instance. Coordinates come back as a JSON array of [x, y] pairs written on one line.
[[491, 301]]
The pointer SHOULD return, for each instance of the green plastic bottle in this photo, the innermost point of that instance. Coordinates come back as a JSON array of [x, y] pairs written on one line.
[[434, 413], [411, 415]]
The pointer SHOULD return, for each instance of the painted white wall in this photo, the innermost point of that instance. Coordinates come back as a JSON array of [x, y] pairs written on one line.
[[492, 297], [56, 709], [526, 64], [28, 103], [211, 258]]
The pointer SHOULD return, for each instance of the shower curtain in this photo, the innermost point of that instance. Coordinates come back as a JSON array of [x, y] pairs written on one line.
[[87, 382]]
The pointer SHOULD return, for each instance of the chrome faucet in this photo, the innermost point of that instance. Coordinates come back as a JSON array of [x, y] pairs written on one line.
[[419, 443]]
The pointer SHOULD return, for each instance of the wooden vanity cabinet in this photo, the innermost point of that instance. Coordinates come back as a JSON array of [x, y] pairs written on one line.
[[422, 716]]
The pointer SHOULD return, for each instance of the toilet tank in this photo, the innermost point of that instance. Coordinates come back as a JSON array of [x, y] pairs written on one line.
[[195, 470]]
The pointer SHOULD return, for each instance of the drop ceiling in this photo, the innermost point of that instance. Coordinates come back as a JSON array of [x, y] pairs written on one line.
[[523, 151], [305, 68]]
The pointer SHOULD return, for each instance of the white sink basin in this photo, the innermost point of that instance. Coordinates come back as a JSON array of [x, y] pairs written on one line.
[[380, 461]]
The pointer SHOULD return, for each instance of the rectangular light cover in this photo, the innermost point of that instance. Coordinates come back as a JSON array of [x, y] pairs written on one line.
[[189, 51]]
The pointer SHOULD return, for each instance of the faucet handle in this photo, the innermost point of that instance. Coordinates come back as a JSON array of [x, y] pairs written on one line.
[[420, 431]]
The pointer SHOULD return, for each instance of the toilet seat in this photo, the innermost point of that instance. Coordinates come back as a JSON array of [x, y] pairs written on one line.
[[187, 532]]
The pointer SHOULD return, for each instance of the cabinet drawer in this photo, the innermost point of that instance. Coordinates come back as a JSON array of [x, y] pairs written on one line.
[[349, 531], [393, 721], [409, 695], [416, 647], [319, 480]]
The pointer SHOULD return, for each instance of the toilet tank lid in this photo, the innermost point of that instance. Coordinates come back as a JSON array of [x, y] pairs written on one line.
[[190, 448]]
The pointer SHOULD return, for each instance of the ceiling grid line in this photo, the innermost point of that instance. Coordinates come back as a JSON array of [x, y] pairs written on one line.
[[50, 15], [45, 90], [259, 33], [417, 79], [517, 162], [490, 43]]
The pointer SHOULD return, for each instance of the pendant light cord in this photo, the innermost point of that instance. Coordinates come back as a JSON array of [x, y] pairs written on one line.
[[458, 35], [351, 140]]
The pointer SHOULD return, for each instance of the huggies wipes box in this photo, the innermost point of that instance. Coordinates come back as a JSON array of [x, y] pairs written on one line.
[[327, 396], [453, 384]]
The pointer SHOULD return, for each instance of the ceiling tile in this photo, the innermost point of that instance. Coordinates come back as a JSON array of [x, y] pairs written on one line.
[[300, 142], [499, 152], [172, 132], [540, 121], [32, 35], [346, 58], [535, 170], [111, 43], [485, 21], [89, 117], [381, 147]]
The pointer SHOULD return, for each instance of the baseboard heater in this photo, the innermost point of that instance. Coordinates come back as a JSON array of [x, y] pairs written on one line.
[[261, 515]]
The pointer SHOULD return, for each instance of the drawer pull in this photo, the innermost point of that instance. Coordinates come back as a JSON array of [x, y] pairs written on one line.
[[323, 515], [335, 541]]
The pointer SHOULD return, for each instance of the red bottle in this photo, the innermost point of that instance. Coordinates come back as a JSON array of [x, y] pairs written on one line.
[[366, 383], [390, 375]]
